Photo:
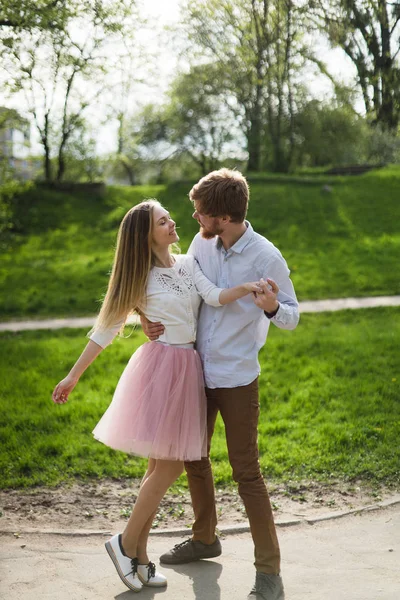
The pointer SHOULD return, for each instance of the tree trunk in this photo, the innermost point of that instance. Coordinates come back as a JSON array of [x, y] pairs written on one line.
[[364, 89], [288, 63], [376, 24], [254, 133], [61, 164], [280, 162], [387, 115], [129, 171], [45, 141], [47, 163], [120, 119]]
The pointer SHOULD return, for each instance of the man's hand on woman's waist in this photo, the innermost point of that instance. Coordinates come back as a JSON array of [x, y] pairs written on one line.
[[150, 329]]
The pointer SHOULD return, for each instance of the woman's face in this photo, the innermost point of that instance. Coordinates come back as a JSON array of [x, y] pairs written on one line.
[[164, 232]]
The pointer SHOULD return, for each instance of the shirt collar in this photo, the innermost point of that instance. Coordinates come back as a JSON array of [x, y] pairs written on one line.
[[242, 242]]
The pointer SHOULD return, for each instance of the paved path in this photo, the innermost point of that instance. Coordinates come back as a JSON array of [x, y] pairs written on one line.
[[354, 558], [305, 307]]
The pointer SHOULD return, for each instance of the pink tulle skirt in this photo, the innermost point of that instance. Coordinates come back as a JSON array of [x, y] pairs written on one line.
[[159, 406]]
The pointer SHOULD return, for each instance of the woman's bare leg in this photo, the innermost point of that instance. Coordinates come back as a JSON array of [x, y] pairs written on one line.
[[144, 535], [151, 492]]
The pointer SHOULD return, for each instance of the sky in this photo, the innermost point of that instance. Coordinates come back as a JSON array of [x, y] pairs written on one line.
[[166, 12]]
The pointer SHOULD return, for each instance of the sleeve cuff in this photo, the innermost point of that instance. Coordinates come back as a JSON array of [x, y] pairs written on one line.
[[102, 338], [213, 297], [270, 315]]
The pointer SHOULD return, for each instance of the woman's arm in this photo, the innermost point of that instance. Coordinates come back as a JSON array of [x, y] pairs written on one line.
[[229, 295], [66, 385], [216, 296]]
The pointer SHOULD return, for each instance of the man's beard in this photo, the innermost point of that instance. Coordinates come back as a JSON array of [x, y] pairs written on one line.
[[209, 234]]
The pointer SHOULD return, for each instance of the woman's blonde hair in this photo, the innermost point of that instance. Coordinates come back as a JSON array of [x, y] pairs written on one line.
[[133, 260]]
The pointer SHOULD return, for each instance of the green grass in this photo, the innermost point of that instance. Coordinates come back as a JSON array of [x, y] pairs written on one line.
[[329, 394], [345, 242]]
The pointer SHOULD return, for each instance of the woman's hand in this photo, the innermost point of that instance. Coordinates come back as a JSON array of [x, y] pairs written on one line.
[[253, 286], [63, 389]]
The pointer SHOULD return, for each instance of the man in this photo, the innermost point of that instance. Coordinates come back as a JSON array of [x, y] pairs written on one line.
[[228, 341]]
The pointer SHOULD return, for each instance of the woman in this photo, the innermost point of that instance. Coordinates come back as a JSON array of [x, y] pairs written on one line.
[[159, 406]]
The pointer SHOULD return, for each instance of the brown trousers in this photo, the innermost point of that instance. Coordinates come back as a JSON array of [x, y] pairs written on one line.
[[239, 408]]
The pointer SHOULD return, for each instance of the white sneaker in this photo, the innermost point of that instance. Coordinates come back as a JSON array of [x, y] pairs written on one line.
[[150, 577], [126, 567]]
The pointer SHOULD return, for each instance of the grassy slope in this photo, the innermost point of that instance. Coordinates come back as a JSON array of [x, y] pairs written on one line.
[[329, 395], [337, 244]]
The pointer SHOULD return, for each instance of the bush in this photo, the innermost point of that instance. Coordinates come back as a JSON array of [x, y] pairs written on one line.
[[330, 135], [9, 190], [383, 146]]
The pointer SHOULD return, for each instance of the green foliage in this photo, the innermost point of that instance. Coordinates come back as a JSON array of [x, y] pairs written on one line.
[[330, 135], [60, 68], [81, 161], [329, 394], [41, 444], [198, 121], [10, 186], [142, 150], [340, 240], [383, 146], [340, 400], [368, 34], [256, 50], [8, 191], [23, 15]]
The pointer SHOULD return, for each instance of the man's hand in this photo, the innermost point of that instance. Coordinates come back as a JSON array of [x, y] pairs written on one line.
[[151, 330], [267, 300]]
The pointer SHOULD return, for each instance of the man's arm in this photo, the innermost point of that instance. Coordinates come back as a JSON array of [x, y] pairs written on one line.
[[278, 300]]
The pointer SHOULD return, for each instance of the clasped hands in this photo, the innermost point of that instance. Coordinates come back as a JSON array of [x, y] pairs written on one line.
[[265, 298]]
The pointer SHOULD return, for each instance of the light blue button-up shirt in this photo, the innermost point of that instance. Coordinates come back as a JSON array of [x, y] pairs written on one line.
[[230, 337]]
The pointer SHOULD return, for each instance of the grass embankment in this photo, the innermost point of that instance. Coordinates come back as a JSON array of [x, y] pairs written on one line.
[[338, 243], [329, 395]]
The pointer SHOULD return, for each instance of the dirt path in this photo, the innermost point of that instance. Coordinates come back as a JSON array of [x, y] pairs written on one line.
[[305, 307], [106, 505]]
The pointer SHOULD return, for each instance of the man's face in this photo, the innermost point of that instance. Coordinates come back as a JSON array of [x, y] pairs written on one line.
[[209, 226]]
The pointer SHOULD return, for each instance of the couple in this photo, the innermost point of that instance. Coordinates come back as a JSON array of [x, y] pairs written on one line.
[[160, 408]]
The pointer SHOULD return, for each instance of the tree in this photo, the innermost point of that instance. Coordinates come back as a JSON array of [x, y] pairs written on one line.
[[330, 133], [81, 160], [138, 62], [369, 33], [26, 15], [142, 141], [199, 122], [10, 185], [192, 123], [256, 46], [60, 72]]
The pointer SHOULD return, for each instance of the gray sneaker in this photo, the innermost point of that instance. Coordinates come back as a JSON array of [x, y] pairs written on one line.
[[267, 587], [189, 551]]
